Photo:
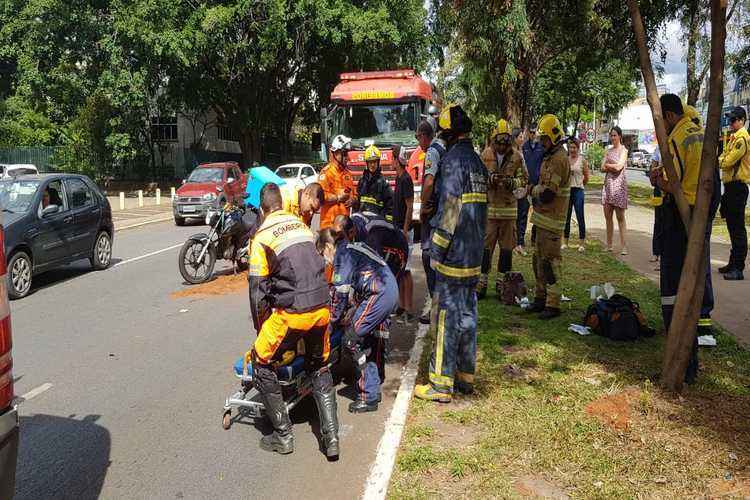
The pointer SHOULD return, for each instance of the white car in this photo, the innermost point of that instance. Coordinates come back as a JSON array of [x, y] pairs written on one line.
[[298, 174], [8, 171]]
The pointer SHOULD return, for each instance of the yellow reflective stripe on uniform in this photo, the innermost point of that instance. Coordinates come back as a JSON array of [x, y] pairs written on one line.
[[389, 218], [502, 212], [547, 222], [370, 200], [474, 198], [704, 322], [456, 272], [439, 342], [441, 381], [564, 192], [440, 240]]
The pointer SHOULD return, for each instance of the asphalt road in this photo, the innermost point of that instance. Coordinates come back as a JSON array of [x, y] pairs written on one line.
[[138, 381]]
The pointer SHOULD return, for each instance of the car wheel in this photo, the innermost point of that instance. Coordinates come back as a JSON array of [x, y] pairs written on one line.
[[19, 275], [102, 254], [179, 221]]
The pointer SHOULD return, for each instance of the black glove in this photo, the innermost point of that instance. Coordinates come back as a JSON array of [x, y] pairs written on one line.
[[508, 183], [547, 196]]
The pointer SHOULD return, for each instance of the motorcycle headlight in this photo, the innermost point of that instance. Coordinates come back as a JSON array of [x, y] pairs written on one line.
[[209, 197]]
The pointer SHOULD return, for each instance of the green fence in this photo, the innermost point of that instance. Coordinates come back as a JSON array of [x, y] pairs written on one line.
[[41, 157]]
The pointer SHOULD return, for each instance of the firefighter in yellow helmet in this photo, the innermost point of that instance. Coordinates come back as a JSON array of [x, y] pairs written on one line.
[[374, 193], [550, 211], [506, 175]]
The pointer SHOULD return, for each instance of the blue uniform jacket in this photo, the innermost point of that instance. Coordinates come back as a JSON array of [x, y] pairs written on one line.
[[458, 238], [359, 269], [533, 154]]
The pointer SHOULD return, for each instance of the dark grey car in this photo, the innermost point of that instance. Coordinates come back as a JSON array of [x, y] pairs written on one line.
[[52, 220]]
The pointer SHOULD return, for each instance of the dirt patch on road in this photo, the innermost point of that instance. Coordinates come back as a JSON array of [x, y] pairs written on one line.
[[221, 285]]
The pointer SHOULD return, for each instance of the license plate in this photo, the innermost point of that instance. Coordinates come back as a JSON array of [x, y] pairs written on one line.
[[188, 209]]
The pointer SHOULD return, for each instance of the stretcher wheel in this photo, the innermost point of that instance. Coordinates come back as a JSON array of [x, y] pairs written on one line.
[[226, 422]]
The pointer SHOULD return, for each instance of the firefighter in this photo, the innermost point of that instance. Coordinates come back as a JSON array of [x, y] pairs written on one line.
[[359, 269], [735, 173], [685, 146], [305, 202], [551, 197], [506, 174], [337, 182], [374, 193], [288, 299], [434, 153], [456, 256]]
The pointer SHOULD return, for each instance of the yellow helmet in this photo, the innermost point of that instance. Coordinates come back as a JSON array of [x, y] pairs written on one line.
[[503, 127], [454, 118], [372, 153], [550, 126], [692, 113]]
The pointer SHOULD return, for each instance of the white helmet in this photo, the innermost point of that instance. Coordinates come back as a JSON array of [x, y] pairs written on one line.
[[403, 156], [432, 110], [341, 142]]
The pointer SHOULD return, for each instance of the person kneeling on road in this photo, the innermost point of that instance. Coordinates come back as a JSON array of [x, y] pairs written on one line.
[[552, 196], [288, 299], [359, 269]]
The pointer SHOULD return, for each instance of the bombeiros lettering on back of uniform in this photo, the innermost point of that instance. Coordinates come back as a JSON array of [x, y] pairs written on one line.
[[287, 227]]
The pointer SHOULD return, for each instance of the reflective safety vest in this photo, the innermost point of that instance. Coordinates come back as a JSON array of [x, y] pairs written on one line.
[[553, 176], [686, 147], [735, 160]]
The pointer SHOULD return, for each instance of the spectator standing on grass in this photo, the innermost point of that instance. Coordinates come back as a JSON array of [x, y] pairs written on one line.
[[579, 177], [533, 154], [656, 202], [615, 190]]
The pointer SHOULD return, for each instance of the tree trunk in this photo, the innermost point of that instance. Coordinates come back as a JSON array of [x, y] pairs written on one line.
[[693, 33], [510, 104], [653, 100], [681, 334], [250, 144], [578, 120]]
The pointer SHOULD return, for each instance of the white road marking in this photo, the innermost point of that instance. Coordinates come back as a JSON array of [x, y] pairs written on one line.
[[143, 224], [719, 262], [376, 486], [36, 392], [135, 259]]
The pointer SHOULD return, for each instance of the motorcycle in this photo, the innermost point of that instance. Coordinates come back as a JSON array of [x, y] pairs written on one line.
[[232, 228]]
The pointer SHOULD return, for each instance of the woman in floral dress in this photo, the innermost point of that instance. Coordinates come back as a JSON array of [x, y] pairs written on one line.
[[615, 190]]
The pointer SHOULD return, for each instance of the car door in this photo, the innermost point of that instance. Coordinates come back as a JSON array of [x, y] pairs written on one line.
[[236, 184], [49, 235], [308, 175], [85, 212]]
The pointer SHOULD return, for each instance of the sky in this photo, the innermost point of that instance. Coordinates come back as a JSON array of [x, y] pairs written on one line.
[[674, 66]]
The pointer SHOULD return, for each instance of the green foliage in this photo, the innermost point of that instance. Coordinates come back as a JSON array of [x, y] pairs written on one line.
[[21, 125], [594, 154]]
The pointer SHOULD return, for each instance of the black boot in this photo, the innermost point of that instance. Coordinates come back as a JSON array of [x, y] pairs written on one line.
[[463, 387], [734, 275], [362, 406], [549, 313], [536, 306], [282, 439], [329, 420], [726, 269]]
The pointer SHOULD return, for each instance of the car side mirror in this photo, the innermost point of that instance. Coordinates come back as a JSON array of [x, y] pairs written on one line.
[[184, 181], [230, 179], [49, 210]]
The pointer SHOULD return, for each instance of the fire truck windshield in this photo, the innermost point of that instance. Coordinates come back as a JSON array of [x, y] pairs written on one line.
[[384, 124]]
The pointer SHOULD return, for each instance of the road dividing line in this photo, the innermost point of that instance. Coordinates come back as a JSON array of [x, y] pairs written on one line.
[[376, 486], [154, 221], [36, 392], [135, 259]]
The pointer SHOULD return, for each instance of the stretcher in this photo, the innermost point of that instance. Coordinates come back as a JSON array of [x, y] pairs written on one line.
[[295, 383]]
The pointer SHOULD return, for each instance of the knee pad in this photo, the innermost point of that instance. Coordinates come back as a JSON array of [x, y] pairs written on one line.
[[265, 379]]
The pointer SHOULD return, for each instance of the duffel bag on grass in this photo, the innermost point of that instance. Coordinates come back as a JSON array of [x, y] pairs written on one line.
[[617, 318]]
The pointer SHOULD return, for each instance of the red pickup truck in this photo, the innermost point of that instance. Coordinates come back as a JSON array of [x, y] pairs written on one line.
[[208, 187], [8, 412]]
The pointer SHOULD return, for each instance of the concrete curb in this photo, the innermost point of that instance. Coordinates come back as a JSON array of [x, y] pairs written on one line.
[[376, 486]]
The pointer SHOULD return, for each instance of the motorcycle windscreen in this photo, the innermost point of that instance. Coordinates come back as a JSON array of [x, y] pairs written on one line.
[[258, 177]]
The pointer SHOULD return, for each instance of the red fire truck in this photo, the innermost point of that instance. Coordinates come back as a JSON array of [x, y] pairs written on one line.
[[381, 108]]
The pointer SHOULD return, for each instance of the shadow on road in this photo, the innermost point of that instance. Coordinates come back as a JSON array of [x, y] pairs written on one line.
[[62, 457], [62, 274]]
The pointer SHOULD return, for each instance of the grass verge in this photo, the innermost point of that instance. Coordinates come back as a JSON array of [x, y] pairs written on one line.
[[556, 413]]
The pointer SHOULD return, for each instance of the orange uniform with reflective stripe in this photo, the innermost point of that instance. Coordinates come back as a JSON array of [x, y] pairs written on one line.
[[276, 328], [335, 181]]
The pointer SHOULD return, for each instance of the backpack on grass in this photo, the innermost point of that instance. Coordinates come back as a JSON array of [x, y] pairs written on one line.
[[617, 318]]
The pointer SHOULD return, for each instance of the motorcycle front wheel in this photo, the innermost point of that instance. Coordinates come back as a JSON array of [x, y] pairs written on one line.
[[193, 269]]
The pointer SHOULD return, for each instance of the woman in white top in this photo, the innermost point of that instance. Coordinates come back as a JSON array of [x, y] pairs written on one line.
[[579, 177]]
